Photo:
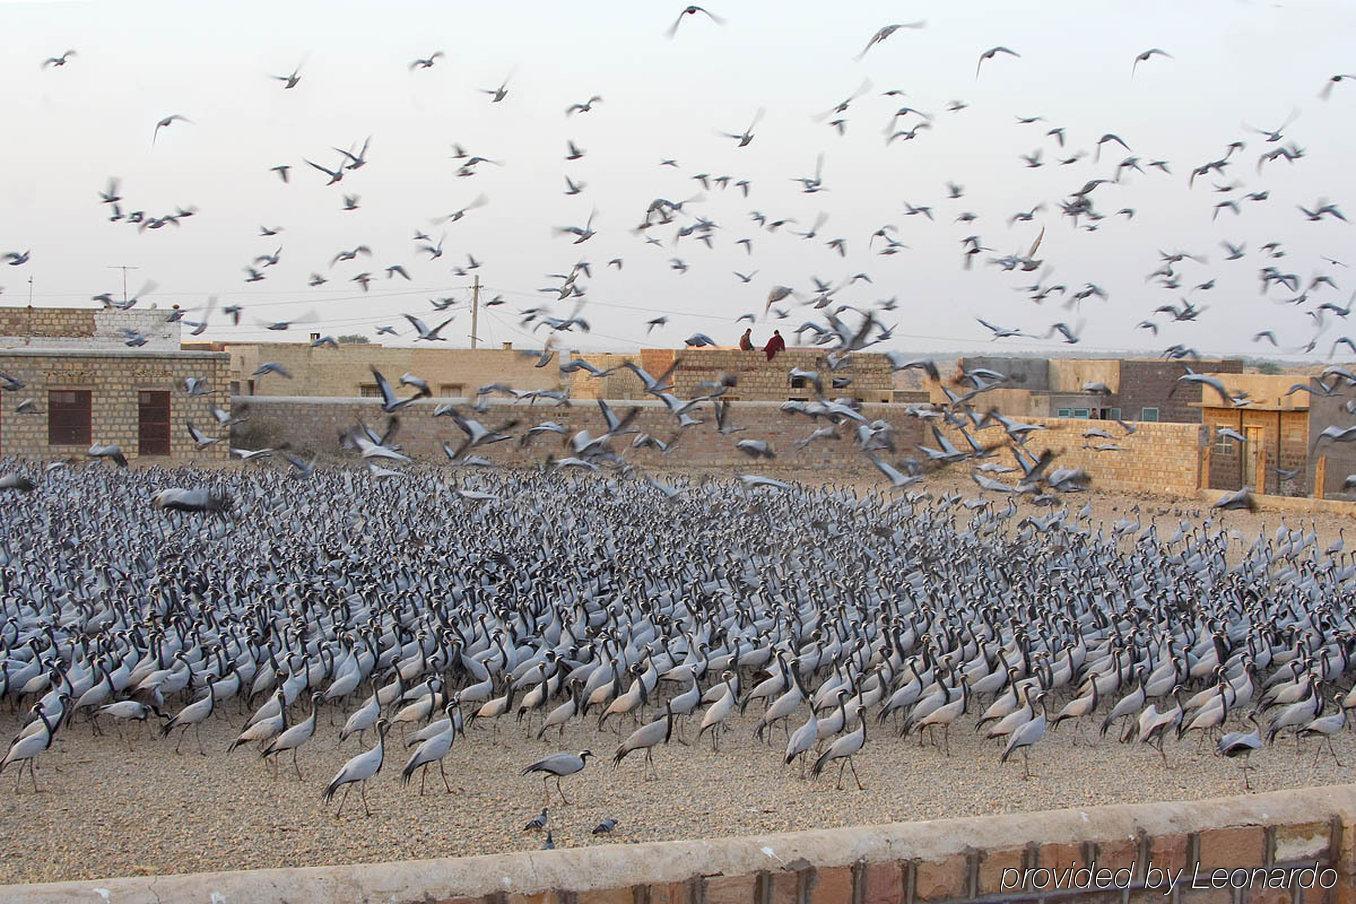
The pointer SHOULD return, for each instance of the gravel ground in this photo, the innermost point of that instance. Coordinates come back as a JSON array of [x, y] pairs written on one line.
[[105, 810], [113, 812]]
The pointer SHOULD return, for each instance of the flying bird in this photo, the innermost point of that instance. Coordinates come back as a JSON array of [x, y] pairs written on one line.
[[1146, 56], [692, 11], [990, 54]]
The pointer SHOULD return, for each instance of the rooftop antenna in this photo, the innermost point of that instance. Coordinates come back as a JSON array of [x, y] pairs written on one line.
[[124, 268]]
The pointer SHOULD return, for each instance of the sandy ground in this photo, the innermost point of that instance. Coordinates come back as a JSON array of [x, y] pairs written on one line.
[[108, 810], [111, 811]]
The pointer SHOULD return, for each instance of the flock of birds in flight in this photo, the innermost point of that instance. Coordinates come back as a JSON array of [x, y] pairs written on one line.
[[574, 598]]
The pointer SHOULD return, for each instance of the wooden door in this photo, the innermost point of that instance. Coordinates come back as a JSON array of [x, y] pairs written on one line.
[[153, 422], [1252, 447]]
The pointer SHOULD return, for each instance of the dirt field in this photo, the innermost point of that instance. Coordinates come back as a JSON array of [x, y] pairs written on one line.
[[114, 812]]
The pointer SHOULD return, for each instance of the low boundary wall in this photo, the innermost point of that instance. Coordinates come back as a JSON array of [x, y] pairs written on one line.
[[1227, 849], [1156, 458]]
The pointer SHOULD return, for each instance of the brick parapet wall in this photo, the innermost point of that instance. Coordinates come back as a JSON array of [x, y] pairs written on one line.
[[943, 861], [86, 328]]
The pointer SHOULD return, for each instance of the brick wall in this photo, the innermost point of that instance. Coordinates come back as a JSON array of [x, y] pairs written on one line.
[[1147, 384], [343, 371], [114, 379], [1168, 851], [1158, 458], [86, 328], [1339, 458], [1284, 440], [314, 425], [758, 379]]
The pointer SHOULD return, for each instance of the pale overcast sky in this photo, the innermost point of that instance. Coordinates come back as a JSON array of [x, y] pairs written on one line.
[[70, 128]]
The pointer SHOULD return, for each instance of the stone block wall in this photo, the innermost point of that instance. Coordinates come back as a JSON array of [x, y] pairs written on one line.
[[314, 425], [1254, 848], [86, 328], [344, 371], [1156, 458], [759, 380], [114, 379]]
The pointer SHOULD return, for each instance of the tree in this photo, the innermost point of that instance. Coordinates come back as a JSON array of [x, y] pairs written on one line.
[[354, 339], [1266, 367]]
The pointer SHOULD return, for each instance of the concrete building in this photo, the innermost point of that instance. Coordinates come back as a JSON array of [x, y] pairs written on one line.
[[865, 376], [346, 371], [1139, 389], [1282, 451], [74, 380]]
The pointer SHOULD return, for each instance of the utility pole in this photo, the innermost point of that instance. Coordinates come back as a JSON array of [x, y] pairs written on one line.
[[475, 309], [124, 270], [30, 291]]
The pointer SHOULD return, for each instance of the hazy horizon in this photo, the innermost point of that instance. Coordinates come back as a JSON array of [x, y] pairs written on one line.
[[76, 125]]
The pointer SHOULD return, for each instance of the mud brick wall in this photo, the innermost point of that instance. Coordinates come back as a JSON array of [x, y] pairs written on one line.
[[114, 379], [1170, 851]]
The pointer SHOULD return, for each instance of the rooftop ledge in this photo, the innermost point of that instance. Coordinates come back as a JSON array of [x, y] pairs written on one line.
[[30, 351], [618, 866]]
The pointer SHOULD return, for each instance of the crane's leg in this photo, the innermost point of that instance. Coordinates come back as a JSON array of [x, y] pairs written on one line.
[[342, 801], [561, 792], [197, 733], [841, 767], [444, 775], [854, 774], [362, 789], [295, 765]]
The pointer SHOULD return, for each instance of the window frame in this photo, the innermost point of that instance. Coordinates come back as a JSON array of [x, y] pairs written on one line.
[[1144, 414], [60, 433]]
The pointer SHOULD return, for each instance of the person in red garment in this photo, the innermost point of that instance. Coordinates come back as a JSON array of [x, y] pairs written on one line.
[[746, 340], [774, 345]]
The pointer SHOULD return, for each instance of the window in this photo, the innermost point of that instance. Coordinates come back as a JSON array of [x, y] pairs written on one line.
[[153, 422], [1064, 412], [1111, 414], [68, 417], [1223, 443], [1148, 414], [451, 390], [797, 382], [235, 387], [369, 391]]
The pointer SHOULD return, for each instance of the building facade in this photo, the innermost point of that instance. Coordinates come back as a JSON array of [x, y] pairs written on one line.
[[1282, 450], [1137, 389], [64, 400]]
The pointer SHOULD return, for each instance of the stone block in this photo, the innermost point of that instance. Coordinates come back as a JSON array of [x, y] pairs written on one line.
[[731, 889], [1232, 847], [831, 885], [882, 883], [941, 880], [991, 867]]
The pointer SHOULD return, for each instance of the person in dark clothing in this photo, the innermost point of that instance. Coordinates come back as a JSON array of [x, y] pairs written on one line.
[[746, 340], [774, 345]]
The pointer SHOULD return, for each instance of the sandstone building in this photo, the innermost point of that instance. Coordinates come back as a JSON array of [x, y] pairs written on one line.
[[73, 380]]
